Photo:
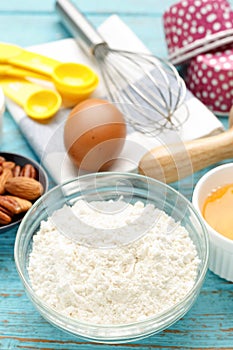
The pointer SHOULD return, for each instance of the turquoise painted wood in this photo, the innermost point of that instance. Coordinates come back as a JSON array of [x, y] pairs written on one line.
[[209, 324]]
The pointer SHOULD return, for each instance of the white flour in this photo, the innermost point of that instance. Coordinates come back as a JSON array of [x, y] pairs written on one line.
[[113, 286]]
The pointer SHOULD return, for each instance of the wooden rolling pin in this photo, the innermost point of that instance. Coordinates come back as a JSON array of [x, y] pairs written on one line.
[[177, 161]]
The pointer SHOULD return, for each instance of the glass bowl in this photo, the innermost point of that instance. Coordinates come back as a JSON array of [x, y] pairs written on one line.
[[113, 186]]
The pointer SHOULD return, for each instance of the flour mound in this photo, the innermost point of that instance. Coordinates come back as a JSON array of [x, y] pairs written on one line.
[[125, 284]]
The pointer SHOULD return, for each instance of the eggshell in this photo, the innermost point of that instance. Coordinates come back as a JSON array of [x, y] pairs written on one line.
[[94, 134]]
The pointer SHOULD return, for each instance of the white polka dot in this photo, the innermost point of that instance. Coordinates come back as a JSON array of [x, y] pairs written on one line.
[[231, 57], [225, 86], [227, 65], [201, 30], [185, 25], [174, 9], [222, 59], [194, 22], [198, 94], [193, 30], [209, 74], [220, 98], [204, 80], [212, 17], [197, 3], [192, 9], [209, 7], [198, 15], [199, 58], [173, 29], [217, 68], [217, 103], [181, 12], [188, 17], [204, 94], [224, 107], [191, 85], [204, 66], [212, 95], [221, 77], [226, 15], [184, 3], [175, 39], [214, 82], [179, 21], [190, 39], [216, 26], [184, 42], [228, 95], [213, 61], [228, 25], [203, 10], [209, 55], [200, 73]]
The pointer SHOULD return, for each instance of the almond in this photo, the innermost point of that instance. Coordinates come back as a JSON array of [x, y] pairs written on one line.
[[24, 187]]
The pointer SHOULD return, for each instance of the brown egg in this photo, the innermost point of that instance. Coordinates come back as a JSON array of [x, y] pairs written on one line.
[[94, 134]]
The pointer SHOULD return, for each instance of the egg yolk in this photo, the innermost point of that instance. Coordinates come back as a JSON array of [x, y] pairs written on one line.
[[218, 210]]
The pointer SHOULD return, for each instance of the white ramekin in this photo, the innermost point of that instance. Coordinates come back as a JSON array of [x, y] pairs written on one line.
[[221, 248]]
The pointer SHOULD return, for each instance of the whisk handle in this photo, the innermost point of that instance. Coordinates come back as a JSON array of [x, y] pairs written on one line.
[[177, 161], [79, 26]]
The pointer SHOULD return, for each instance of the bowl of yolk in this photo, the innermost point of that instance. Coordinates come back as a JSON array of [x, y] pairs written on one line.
[[213, 199]]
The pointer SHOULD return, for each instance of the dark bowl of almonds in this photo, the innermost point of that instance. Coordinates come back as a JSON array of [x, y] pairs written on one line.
[[22, 182]]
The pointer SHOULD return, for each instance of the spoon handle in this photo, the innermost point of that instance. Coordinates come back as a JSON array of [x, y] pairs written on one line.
[[15, 55], [18, 90], [177, 161], [37, 63], [6, 70]]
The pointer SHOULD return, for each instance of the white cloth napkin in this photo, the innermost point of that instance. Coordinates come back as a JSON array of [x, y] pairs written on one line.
[[47, 139]]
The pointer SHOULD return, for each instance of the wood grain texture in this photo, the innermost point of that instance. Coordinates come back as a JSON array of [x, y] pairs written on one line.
[[209, 324], [177, 161]]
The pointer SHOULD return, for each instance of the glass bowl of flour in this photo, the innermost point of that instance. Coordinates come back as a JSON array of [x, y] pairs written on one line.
[[112, 257]]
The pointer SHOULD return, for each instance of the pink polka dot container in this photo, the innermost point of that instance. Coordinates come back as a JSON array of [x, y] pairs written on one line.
[[210, 78], [193, 27]]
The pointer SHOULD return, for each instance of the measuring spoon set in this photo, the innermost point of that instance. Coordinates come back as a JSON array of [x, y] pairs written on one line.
[[73, 81]]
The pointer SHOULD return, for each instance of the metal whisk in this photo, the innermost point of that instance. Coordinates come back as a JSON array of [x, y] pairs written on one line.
[[147, 89]]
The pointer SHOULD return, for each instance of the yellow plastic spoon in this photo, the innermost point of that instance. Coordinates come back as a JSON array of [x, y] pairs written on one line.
[[12, 71], [38, 103], [69, 78]]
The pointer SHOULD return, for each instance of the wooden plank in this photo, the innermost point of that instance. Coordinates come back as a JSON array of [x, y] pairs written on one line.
[[40, 29], [130, 6]]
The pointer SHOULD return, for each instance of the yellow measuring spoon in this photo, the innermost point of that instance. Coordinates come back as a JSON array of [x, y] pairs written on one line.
[[12, 71], [69, 78], [38, 103]]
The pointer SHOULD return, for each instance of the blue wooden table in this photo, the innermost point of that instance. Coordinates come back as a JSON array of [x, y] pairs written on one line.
[[209, 324]]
